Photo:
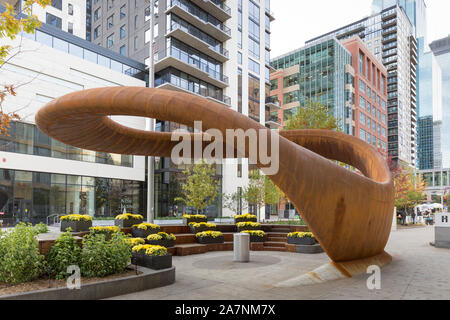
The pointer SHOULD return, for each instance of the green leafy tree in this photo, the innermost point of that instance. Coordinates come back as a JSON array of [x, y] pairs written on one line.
[[11, 24], [235, 202], [254, 193], [313, 115], [201, 187]]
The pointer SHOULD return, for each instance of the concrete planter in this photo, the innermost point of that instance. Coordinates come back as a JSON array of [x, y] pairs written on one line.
[[307, 241], [141, 233], [202, 229], [240, 229], [245, 220], [257, 239], [157, 262], [196, 220], [163, 243], [127, 223], [76, 226], [210, 240]]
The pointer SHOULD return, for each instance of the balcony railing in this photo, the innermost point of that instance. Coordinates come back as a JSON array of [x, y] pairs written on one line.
[[201, 14], [222, 6], [273, 101], [192, 61], [188, 28]]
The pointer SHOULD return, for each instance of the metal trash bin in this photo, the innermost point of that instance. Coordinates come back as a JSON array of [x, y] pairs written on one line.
[[241, 247]]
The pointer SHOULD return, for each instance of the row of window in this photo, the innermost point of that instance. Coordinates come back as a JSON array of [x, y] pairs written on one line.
[[371, 72], [371, 124], [371, 94], [370, 139]]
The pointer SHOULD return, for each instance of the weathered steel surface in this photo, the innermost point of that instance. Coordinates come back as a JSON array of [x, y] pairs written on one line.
[[350, 214]]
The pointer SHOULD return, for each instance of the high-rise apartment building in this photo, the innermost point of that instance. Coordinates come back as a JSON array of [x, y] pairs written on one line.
[[391, 37], [66, 15], [441, 50], [215, 49]]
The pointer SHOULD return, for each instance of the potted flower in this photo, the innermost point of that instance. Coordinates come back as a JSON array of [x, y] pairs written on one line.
[[143, 230], [245, 218], [301, 238], [194, 218], [105, 230], [256, 235], [76, 222], [132, 242], [161, 239], [202, 226], [127, 220], [153, 257], [243, 226], [208, 237]]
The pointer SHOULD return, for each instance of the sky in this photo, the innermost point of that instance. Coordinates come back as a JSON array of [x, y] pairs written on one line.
[[297, 21]]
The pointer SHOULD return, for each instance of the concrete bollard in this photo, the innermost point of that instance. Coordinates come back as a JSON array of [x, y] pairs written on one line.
[[241, 247]]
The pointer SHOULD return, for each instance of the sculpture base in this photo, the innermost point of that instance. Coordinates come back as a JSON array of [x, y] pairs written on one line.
[[337, 270]]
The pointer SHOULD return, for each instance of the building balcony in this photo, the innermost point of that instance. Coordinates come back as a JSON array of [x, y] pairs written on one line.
[[414, 59], [191, 65], [272, 103], [390, 38], [389, 23], [270, 14], [389, 53], [215, 7], [391, 45], [413, 105], [226, 101], [389, 14], [413, 98], [389, 31], [191, 15], [273, 122], [189, 37]]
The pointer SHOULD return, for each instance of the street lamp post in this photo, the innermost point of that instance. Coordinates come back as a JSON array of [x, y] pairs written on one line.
[[150, 124]]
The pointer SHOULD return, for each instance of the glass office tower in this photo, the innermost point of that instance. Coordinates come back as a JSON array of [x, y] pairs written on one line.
[[321, 77], [441, 49]]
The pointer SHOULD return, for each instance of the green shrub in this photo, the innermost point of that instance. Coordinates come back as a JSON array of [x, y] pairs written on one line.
[[41, 228], [100, 258], [65, 252], [20, 260]]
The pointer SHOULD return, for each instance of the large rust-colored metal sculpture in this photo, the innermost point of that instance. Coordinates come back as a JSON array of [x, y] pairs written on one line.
[[350, 214]]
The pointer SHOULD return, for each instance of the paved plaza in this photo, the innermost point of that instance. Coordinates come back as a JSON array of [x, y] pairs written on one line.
[[418, 271]]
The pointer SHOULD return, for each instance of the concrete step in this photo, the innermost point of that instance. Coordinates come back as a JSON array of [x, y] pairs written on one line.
[[276, 239], [277, 234], [282, 230], [274, 249], [275, 244]]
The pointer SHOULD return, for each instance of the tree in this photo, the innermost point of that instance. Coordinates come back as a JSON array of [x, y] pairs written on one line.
[[254, 193], [11, 24], [409, 188], [313, 115], [272, 194], [234, 202], [201, 187]]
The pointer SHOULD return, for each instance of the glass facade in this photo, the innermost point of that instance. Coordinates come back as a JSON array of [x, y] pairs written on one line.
[[33, 196], [425, 143], [322, 76], [26, 138]]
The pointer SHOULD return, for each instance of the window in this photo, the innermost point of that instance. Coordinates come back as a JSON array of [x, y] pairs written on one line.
[[362, 86], [369, 122], [253, 66], [274, 84], [362, 118], [147, 13], [96, 32], [362, 103], [135, 22], [362, 134], [123, 11], [239, 57], [122, 32], [53, 20], [135, 43], [70, 9], [147, 36], [369, 92], [70, 27], [291, 80], [110, 21], [97, 14], [122, 50], [56, 4], [361, 60], [254, 48], [253, 11], [369, 108], [110, 41]]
